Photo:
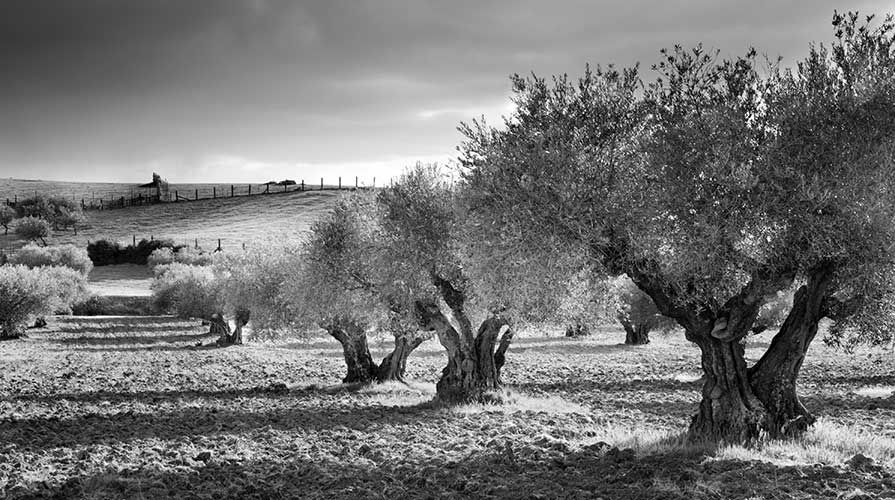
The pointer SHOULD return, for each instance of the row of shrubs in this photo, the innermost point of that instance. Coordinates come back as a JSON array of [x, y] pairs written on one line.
[[105, 253]]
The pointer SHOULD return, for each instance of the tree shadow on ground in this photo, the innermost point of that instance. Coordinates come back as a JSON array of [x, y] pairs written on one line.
[[279, 409], [131, 339], [366, 470]]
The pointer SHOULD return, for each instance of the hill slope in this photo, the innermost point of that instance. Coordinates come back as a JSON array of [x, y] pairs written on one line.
[[250, 220]]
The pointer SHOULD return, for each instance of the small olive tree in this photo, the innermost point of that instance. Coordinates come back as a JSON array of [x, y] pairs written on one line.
[[33, 229], [346, 287], [26, 294]]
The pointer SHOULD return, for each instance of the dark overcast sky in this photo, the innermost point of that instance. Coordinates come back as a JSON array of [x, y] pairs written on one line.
[[255, 90]]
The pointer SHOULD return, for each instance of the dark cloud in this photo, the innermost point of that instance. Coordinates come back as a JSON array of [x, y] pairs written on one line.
[[113, 88]]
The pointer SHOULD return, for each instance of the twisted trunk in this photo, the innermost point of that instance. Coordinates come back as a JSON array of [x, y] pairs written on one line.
[[635, 333], [359, 362], [729, 410], [774, 376], [473, 370], [220, 327], [394, 365]]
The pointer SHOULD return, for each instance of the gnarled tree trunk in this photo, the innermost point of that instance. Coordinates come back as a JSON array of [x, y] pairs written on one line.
[[474, 361], [394, 365], [635, 333], [729, 411], [353, 337], [220, 327], [774, 376]]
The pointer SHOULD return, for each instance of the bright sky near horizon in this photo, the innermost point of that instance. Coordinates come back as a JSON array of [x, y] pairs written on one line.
[[254, 90]]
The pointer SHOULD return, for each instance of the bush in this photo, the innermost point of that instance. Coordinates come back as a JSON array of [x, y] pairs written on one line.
[[182, 255], [29, 293], [105, 253], [186, 291], [69, 256], [33, 229]]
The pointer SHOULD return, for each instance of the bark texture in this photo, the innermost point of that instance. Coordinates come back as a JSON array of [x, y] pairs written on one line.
[[774, 376], [729, 410], [358, 361], [394, 365], [635, 333], [475, 359]]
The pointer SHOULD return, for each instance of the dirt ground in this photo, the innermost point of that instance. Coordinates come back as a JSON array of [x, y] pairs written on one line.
[[134, 408]]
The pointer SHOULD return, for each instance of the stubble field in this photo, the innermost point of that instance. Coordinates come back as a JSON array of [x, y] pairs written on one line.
[[134, 408]]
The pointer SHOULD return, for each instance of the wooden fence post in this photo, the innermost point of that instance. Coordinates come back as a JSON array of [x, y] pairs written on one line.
[[321, 183], [285, 187], [176, 196], [355, 182], [219, 245], [266, 188], [340, 183], [374, 182], [214, 192], [250, 189], [231, 190], [197, 243], [197, 195], [302, 184]]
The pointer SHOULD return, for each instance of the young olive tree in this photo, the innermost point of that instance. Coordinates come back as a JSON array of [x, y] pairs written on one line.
[[252, 283], [712, 191], [346, 287], [26, 294], [33, 229]]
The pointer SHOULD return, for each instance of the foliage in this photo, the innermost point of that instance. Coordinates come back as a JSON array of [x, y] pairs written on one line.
[[183, 255], [256, 282], [61, 212], [70, 256], [28, 293], [635, 307], [104, 253], [33, 229], [7, 215], [186, 291], [338, 273]]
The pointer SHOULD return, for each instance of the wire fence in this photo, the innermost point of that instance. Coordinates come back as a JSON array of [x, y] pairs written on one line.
[[176, 193]]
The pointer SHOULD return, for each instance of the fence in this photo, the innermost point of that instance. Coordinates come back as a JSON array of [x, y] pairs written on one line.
[[195, 192], [203, 243]]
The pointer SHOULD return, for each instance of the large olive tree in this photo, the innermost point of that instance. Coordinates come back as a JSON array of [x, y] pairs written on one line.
[[712, 187]]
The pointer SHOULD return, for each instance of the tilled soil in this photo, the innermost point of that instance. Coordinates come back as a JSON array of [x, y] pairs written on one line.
[[144, 408]]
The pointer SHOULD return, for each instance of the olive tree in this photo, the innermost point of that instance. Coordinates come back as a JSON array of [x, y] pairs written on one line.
[[33, 229], [713, 189], [345, 286], [27, 293]]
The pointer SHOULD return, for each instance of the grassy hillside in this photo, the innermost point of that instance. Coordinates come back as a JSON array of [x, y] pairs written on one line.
[[250, 220]]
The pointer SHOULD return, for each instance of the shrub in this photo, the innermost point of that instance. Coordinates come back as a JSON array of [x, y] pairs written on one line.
[[33, 229], [773, 313], [7, 215], [104, 253], [182, 255], [69, 256], [28, 293], [186, 291]]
